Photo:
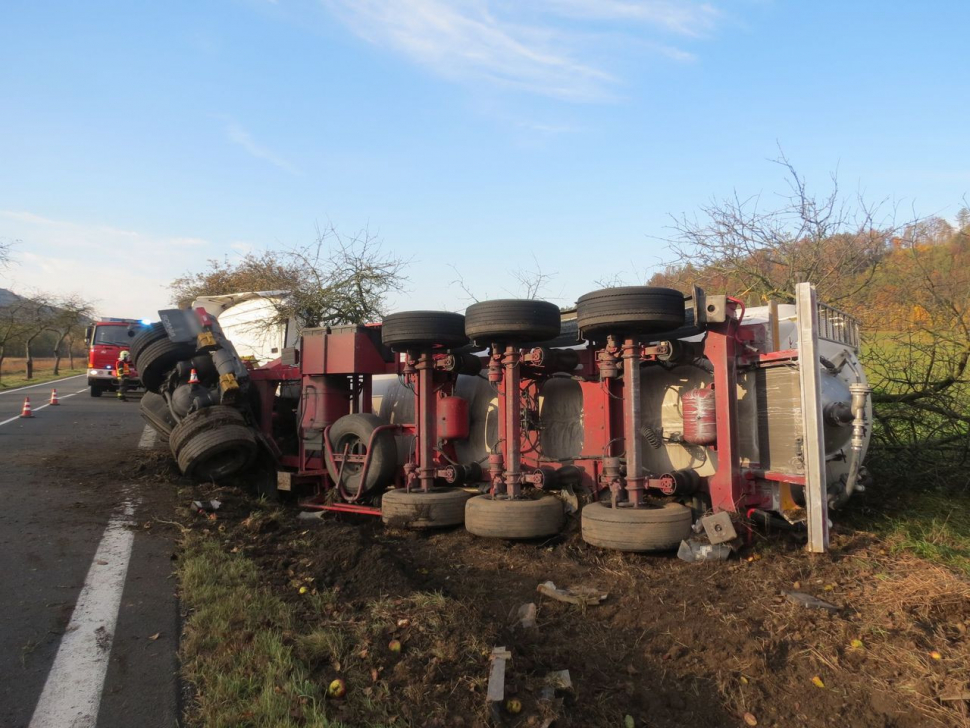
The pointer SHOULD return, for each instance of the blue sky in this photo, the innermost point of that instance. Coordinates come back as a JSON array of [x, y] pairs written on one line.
[[138, 139]]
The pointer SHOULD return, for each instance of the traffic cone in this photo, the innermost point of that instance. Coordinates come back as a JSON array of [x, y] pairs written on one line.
[[26, 410], [54, 401], [193, 377]]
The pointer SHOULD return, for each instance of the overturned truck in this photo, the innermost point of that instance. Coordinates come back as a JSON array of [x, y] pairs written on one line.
[[642, 409]]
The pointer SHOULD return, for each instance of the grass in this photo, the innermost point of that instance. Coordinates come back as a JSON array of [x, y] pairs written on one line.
[[12, 375], [933, 526], [235, 649]]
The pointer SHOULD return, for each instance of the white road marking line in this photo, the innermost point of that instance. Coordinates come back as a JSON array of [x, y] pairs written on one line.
[[51, 383], [147, 438], [72, 693], [37, 409]]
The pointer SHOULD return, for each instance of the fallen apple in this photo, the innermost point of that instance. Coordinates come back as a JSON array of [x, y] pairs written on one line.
[[337, 689], [514, 706], [394, 646]]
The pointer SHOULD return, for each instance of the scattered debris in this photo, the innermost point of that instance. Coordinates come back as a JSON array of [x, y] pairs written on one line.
[[311, 515], [526, 615], [496, 677], [693, 551], [209, 506], [155, 636], [807, 600], [559, 680], [582, 595], [817, 682], [749, 719], [719, 528]]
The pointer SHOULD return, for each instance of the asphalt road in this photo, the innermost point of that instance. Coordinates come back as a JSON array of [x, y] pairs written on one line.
[[89, 627]]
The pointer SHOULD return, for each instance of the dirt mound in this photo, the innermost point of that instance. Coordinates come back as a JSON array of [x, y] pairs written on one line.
[[673, 645]]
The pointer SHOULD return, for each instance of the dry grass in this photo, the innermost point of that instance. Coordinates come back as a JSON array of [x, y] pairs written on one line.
[[12, 371]]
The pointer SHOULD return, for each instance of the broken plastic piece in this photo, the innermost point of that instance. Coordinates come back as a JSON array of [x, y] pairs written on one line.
[[693, 551], [527, 615], [207, 506]]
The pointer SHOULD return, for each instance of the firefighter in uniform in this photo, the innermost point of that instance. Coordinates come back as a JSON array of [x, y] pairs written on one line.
[[123, 371]]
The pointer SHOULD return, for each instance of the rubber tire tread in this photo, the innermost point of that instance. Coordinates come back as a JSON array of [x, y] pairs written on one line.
[[97, 391], [211, 442], [204, 419], [512, 319], [439, 508], [514, 519], [149, 335], [158, 358], [636, 529], [630, 309], [154, 410], [412, 329], [383, 461]]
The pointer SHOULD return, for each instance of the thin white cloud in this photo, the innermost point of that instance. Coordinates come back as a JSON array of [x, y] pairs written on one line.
[[682, 17], [239, 136], [126, 273], [535, 46]]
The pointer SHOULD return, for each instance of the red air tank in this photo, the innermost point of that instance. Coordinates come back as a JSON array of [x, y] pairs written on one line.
[[700, 416], [452, 418]]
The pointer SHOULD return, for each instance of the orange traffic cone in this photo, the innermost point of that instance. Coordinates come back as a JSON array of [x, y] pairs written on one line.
[[26, 410], [54, 401], [193, 377]]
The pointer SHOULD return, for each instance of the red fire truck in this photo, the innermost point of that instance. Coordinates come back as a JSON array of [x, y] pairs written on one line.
[[106, 339]]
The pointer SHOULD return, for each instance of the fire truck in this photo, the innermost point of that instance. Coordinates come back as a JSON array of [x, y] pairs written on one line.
[[106, 339]]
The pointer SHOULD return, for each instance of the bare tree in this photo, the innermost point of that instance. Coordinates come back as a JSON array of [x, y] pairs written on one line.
[[40, 313], [6, 250], [72, 313], [533, 282], [336, 279], [825, 239], [13, 321]]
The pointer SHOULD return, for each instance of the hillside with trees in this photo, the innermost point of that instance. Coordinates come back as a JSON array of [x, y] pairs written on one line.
[[908, 284]]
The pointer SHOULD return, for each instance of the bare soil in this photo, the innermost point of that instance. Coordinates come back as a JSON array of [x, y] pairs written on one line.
[[674, 644]]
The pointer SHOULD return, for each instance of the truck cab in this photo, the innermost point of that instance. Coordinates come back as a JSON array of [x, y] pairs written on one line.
[[106, 339]]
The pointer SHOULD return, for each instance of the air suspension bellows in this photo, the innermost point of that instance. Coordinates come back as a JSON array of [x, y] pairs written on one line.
[[700, 416]]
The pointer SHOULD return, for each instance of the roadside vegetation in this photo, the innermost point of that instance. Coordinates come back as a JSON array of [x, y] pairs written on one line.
[[13, 372]]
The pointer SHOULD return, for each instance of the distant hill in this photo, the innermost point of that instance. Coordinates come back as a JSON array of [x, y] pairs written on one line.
[[7, 297]]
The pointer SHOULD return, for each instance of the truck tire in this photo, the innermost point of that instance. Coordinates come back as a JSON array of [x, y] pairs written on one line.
[[423, 329], [649, 528], [356, 430], [149, 335], [157, 359], [96, 391], [154, 410], [514, 519], [630, 310], [214, 455], [208, 418], [438, 508], [512, 320]]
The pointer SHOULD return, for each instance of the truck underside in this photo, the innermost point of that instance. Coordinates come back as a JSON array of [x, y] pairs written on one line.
[[644, 411]]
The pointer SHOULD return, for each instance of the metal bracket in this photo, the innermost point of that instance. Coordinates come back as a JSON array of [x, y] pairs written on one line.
[[719, 528]]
